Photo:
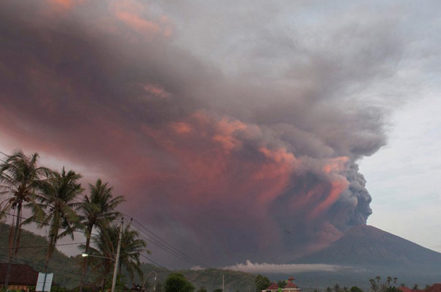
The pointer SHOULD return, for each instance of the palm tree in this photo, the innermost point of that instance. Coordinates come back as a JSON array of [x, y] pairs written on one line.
[[20, 179], [132, 247], [104, 252], [58, 197], [97, 210]]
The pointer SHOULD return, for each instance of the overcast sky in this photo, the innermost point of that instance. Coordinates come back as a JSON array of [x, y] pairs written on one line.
[[404, 176], [242, 128]]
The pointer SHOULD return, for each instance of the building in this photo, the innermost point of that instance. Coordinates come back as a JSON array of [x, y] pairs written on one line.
[[21, 277], [434, 288], [289, 287]]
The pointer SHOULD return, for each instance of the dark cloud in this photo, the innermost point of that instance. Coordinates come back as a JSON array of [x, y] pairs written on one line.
[[256, 164]]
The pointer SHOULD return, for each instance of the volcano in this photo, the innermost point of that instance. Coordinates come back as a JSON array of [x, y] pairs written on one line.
[[368, 246], [366, 252]]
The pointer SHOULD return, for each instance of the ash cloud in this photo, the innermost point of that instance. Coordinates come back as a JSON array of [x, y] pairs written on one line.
[[259, 162]]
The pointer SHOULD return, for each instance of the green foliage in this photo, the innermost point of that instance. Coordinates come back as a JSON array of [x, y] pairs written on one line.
[[59, 193], [33, 251], [20, 179], [281, 284], [105, 250], [176, 282], [98, 209], [388, 285], [356, 289], [261, 282], [202, 289]]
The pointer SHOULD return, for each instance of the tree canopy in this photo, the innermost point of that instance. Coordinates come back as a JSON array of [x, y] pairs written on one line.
[[176, 282]]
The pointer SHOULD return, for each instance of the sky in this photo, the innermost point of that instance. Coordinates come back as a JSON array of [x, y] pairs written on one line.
[[404, 175], [236, 130]]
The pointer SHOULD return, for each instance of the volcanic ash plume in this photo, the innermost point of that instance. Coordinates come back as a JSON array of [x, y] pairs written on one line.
[[224, 166]]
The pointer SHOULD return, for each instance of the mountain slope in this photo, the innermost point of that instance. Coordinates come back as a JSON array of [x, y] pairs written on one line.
[[210, 279], [33, 250], [367, 246], [66, 269]]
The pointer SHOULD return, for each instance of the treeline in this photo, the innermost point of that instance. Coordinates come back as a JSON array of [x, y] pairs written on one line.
[[58, 202], [389, 284]]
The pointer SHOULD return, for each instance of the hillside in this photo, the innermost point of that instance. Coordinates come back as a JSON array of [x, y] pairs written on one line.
[[210, 279], [366, 252], [369, 246], [33, 252], [66, 270]]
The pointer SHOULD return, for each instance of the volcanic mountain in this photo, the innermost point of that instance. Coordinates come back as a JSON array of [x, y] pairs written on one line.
[[365, 252], [368, 247]]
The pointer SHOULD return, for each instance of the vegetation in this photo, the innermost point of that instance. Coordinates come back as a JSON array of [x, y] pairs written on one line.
[[98, 209], [53, 198], [176, 282], [281, 284], [33, 252], [59, 192], [388, 285], [106, 244], [261, 282], [20, 178]]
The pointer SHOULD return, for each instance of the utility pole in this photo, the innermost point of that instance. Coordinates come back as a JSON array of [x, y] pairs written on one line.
[[115, 270]]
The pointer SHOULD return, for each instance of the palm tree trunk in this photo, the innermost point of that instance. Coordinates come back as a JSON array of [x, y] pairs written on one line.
[[14, 242], [17, 244], [86, 251], [50, 249], [11, 239], [53, 234]]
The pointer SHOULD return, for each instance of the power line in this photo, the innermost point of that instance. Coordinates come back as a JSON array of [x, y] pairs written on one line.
[[155, 263], [163, 244], [38, 246], [38, 265], [148, 235]]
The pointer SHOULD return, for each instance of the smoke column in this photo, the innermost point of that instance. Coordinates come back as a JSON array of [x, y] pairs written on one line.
[[259, 163]]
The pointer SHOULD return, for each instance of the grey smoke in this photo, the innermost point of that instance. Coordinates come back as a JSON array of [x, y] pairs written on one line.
[[73, 84]]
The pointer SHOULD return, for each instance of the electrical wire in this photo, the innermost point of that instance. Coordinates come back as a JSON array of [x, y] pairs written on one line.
[[163, 244]]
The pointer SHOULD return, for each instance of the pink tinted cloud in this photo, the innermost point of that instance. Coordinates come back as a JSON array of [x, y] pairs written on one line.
[[134, 15], [142, 114]]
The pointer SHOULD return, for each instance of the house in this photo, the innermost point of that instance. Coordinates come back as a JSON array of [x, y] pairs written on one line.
[[289, 287], [21, 277], [434, 288], [272, 288]]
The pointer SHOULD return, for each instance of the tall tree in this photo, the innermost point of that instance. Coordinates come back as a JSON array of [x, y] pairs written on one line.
[[261, 282], [104, 253], [97, 209], [176, 282], [58, 198], [20, 179]]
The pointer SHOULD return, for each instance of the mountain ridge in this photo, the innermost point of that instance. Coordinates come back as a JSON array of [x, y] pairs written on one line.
[[366, 245]]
